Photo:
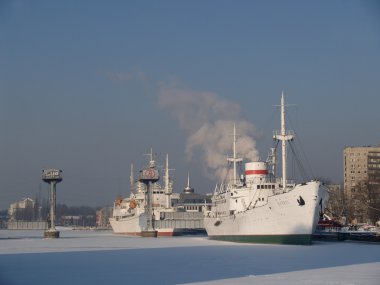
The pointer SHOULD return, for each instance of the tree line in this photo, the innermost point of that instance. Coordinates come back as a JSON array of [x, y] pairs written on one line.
[[64, 215]]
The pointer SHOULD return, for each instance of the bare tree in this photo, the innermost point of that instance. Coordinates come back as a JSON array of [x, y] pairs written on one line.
[[335, 205], [363, 205]]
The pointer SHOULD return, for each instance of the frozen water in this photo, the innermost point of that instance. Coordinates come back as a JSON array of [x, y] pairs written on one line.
[[90, 257]]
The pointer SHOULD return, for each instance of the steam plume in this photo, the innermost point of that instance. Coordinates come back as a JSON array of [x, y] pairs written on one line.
[[208, 120]]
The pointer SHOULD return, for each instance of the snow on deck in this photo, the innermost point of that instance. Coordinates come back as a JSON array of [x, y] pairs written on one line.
[[90, 257]]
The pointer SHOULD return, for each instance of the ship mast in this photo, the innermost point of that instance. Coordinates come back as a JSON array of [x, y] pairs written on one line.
[[271, 161], [152, 163], [132, 180], [283, 136], [168, 190], [234, 159]]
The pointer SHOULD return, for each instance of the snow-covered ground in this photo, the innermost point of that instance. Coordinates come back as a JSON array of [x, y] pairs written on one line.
[[90, 257]]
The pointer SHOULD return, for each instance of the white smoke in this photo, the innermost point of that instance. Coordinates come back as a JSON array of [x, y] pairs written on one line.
[[208, 120]]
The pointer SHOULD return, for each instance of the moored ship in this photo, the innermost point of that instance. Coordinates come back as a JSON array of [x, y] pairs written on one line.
[[260, 208], [157, 206]]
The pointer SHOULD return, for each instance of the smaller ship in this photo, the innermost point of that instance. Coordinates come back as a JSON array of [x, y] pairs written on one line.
[[328, 229], [153, 207]]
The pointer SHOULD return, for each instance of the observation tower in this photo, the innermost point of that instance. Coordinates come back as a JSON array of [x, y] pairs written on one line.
[[52, 177], [149, 176]]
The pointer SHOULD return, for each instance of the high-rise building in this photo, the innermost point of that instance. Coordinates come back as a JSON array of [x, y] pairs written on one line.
[[362, 182]]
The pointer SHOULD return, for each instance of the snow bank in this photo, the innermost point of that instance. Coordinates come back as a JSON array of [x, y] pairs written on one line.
[[103, 258]]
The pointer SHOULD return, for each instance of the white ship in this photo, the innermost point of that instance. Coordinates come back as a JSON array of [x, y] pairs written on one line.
[[170, 214], [259, 208]]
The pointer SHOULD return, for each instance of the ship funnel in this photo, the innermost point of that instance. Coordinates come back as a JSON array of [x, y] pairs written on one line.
[[254, 170]]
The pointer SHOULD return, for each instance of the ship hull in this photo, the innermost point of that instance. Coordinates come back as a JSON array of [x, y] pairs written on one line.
[[134, 226], [282, 220], [269, 239]]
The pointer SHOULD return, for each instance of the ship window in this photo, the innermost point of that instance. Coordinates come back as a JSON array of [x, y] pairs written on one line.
[[258, 186]]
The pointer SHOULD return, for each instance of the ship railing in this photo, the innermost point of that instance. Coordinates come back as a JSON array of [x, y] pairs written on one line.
[[288, 181], [222, 188], [288, 133]]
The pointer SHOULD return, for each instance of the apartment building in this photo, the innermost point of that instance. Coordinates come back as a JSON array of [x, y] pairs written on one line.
[[362, 181]]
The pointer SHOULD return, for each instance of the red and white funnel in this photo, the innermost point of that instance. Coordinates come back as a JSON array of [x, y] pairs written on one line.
[[254, 170]]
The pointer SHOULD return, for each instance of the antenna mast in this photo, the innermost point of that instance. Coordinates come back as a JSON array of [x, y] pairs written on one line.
[[188, 188]]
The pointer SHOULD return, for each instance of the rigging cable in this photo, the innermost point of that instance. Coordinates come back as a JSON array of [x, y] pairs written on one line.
[[299, 163], [298, 142]]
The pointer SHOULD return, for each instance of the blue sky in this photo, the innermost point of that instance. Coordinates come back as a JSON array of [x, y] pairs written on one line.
[[82, 84]]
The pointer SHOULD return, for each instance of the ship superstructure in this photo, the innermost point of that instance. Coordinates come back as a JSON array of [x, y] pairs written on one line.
[[257, 207], [160, 208]]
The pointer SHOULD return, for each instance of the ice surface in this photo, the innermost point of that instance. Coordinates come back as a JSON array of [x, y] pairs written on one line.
[[90, 257]]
